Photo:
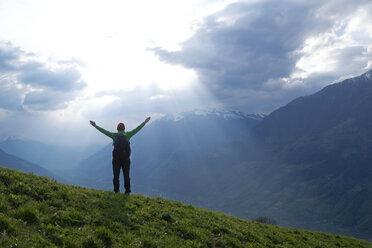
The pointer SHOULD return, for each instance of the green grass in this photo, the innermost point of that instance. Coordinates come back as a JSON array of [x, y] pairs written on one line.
[[39, 212]]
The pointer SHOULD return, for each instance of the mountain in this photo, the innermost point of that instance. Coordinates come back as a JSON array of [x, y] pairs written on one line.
[[10, 161], [167, 142], [307, 164], [326, 140], [38, 212], [58, 159], [336, 120]]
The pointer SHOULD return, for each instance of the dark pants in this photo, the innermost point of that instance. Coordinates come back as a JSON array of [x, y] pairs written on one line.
[[118, 164]]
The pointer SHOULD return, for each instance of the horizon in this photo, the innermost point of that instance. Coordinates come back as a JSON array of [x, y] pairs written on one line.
[[142, 59]]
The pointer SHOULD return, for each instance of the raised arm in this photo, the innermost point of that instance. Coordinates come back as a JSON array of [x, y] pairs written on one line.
[[105, 132], [134, 131]]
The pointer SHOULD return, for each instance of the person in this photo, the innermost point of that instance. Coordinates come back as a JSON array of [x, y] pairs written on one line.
[[121, 152]]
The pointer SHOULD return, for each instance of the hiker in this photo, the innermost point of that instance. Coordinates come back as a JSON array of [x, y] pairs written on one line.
[[121, 152]]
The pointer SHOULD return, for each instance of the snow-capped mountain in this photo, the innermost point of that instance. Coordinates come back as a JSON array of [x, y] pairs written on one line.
[[216, 113], [171, 140], [368, 74]]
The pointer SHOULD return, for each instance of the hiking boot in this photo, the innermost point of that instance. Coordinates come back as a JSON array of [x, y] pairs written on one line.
[[127, 192]]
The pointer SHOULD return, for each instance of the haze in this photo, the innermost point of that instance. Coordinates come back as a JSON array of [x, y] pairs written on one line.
[[65, 62]]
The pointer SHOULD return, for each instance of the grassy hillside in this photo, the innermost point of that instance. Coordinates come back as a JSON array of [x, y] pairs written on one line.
[[38, 212]]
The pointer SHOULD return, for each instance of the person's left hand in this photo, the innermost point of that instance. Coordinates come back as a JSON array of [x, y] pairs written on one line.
[[92, 123], [147, 119]]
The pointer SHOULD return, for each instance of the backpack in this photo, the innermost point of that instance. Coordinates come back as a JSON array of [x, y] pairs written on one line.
[[121, 147]]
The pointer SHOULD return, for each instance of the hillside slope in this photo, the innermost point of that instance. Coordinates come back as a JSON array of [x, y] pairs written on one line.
[[36, 211]]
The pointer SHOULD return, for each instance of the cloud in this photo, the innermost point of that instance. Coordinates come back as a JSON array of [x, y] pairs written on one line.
[[154, 99], [245, 45], [242, 49], [47, 100], [131, 106], [61, 79], [29, 84], [8, 55], [11, 97]]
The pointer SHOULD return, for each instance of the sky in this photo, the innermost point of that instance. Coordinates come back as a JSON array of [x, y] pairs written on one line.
[[63, 63]]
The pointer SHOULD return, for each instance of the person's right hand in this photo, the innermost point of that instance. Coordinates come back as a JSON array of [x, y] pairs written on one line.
[[147, 119], [92, 123]]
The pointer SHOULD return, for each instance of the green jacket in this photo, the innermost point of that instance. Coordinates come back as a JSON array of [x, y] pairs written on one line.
[[127, 134]]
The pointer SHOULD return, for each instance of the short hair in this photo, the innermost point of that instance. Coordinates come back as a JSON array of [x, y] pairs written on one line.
[[121, 127]]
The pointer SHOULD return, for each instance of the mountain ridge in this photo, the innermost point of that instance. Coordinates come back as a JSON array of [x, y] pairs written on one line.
[[226, 114], [324, 140], [165, 140], [306, 165], [350, 98], [14, 162], [57, 159]]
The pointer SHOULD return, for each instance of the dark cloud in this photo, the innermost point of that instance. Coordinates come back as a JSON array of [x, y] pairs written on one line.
[[236, 51], [27, 82], [245, 45]]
